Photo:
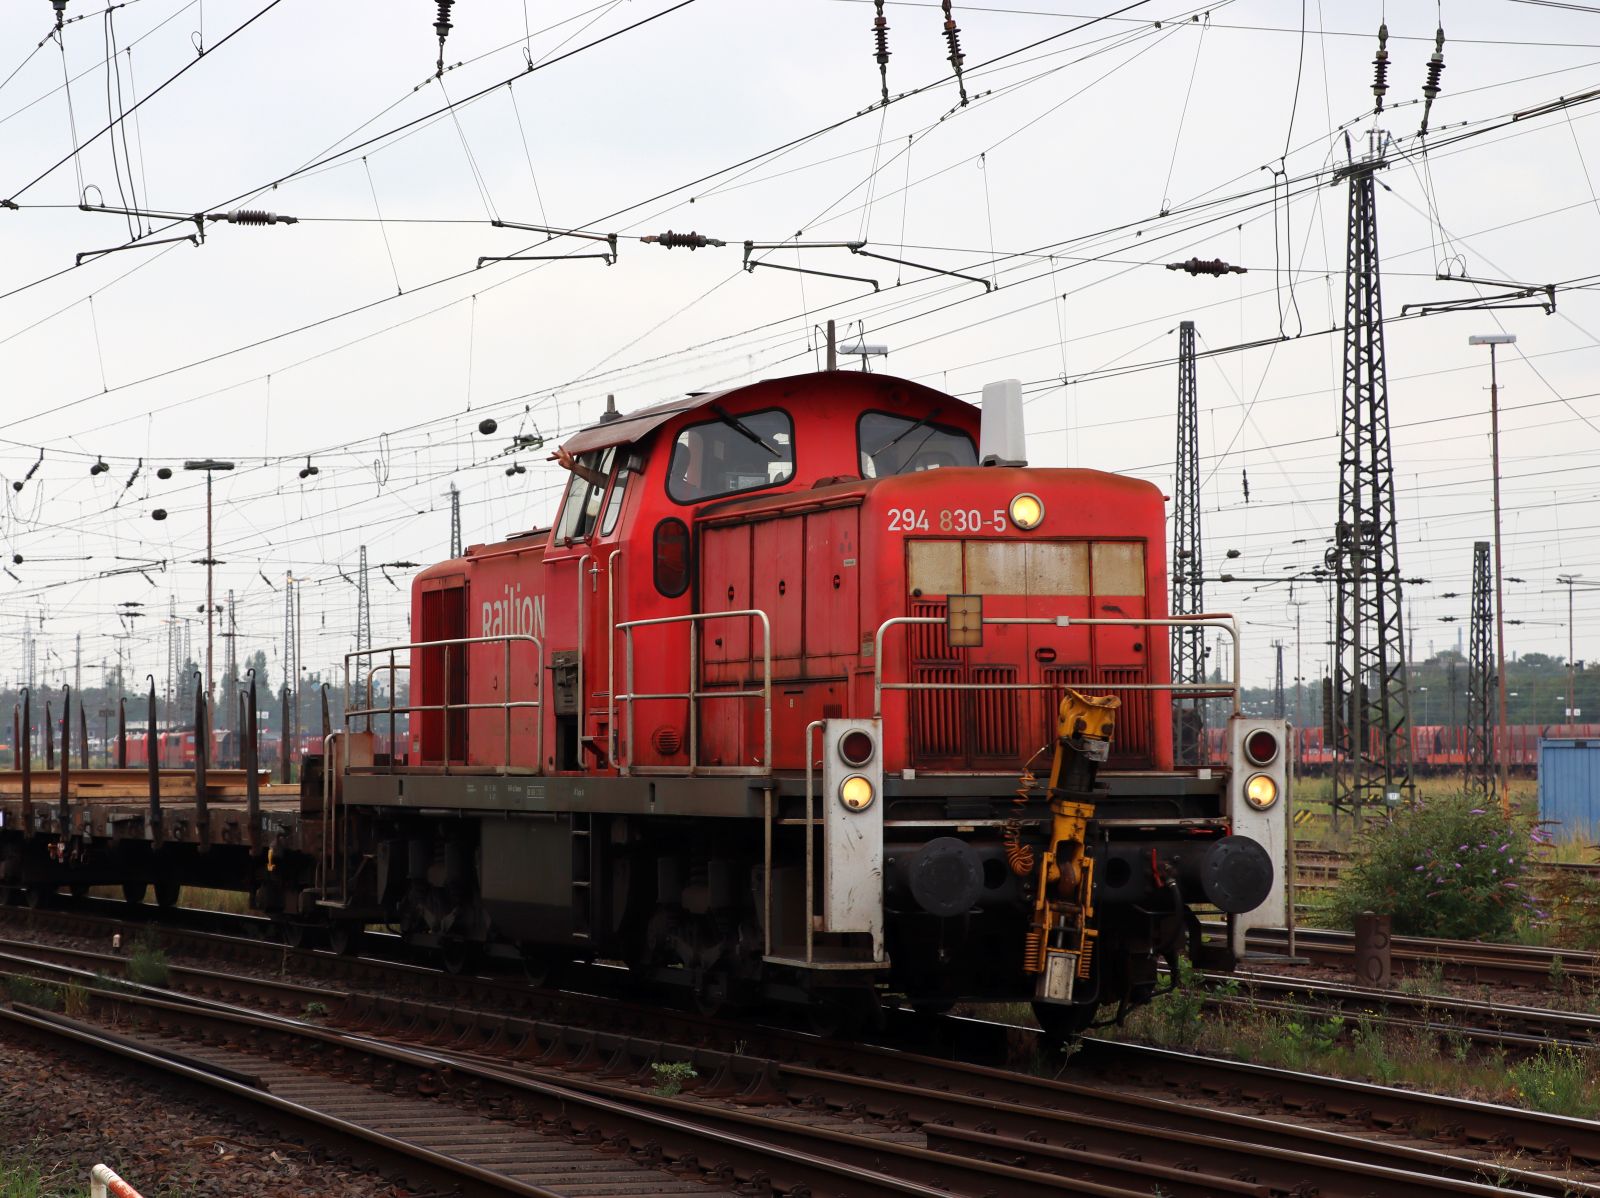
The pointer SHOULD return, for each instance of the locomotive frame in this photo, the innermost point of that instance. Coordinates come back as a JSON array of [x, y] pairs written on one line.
[[759, 717]]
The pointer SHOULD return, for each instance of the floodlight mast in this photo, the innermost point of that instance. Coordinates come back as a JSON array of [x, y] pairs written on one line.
[[209, 465], [1493, 340]]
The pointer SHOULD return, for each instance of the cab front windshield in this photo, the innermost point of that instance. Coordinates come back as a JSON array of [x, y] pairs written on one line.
[[890, 445]]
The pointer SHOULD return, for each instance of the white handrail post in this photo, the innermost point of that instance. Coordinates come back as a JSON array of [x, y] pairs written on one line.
[[814, 725], [627, 640], [766, 688], [694, 696]]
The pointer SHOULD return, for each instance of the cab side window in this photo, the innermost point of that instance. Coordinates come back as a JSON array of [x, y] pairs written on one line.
[[731, 454], [585, 489]]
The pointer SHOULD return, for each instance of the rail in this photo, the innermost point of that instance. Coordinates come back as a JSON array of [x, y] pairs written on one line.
[[506, 706], [695, 694], [1221, 622]]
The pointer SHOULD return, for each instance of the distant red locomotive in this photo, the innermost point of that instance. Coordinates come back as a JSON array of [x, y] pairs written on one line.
[[760, 714]]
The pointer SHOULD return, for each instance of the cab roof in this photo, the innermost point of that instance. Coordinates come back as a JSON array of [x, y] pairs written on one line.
[[635, 426]]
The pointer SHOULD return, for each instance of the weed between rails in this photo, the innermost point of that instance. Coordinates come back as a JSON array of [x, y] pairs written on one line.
[[1366, 1047]]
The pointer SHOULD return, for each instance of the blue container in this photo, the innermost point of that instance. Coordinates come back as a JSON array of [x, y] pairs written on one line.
[[1569, 787]]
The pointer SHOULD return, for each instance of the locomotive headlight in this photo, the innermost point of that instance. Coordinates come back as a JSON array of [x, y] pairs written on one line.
[[1260, 791], [855, 792], [1026, 511]]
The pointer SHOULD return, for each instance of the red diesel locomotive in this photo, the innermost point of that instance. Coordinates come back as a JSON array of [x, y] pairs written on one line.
[[761, 716]]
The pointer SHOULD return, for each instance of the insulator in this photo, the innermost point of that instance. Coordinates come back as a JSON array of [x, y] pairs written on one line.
[[1430, 89], [880, 34], [952, 35], [442, 25], [1208, 266], [255, 216], [687, 241], [1380, 67]]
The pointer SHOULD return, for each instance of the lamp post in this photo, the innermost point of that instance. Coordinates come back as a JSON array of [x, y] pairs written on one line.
[[1567, 580], [1492, 340], [210, 466]]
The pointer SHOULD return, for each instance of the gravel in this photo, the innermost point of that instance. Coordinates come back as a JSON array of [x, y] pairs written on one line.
[[60, 1118]]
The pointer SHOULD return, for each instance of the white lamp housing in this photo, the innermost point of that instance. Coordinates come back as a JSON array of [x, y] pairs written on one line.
[[1002, 437]]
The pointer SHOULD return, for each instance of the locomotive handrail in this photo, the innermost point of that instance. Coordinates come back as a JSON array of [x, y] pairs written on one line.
[[505, 640], [1220, 621], [694, 693]]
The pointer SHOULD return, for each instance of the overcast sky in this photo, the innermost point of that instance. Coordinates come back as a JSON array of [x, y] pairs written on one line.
[[371, 349]]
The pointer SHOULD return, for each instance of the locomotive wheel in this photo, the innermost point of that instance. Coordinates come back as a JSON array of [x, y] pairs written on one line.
[[133, 893], [167, 893], [536, 966], [39, 896], [294, 933], [843, 1014], [1063, 1024], [713, 997], [460, 956], [345, 938]]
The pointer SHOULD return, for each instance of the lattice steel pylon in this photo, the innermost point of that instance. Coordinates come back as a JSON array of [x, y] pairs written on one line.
[[1188, 588], [291, 662], [1279, 706], [230, 671], [1369, 680], [1480, 760], [30, 654], [363, 610], [455, 521]]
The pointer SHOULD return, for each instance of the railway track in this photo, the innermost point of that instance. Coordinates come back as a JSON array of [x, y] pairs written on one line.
[[1461, 960], [916, 1120], [1483, 1021]]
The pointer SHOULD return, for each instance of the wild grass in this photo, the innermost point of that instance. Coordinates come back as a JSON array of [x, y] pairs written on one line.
[[1366, 1047], [147, 963], [32, 992], [20, 1179]]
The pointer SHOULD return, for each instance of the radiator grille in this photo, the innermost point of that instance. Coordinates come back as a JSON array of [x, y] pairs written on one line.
[[936, 714], [1131, 744], [995, 724], [929, 642]]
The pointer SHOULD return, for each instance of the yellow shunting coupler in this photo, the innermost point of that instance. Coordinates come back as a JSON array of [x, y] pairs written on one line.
[[1060, 943]]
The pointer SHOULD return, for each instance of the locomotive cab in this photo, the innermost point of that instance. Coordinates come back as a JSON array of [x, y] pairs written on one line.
[[774, 710]]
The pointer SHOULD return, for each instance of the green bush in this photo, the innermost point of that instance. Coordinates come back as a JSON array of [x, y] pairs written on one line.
[[1555, 1081], [1440, 867]]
